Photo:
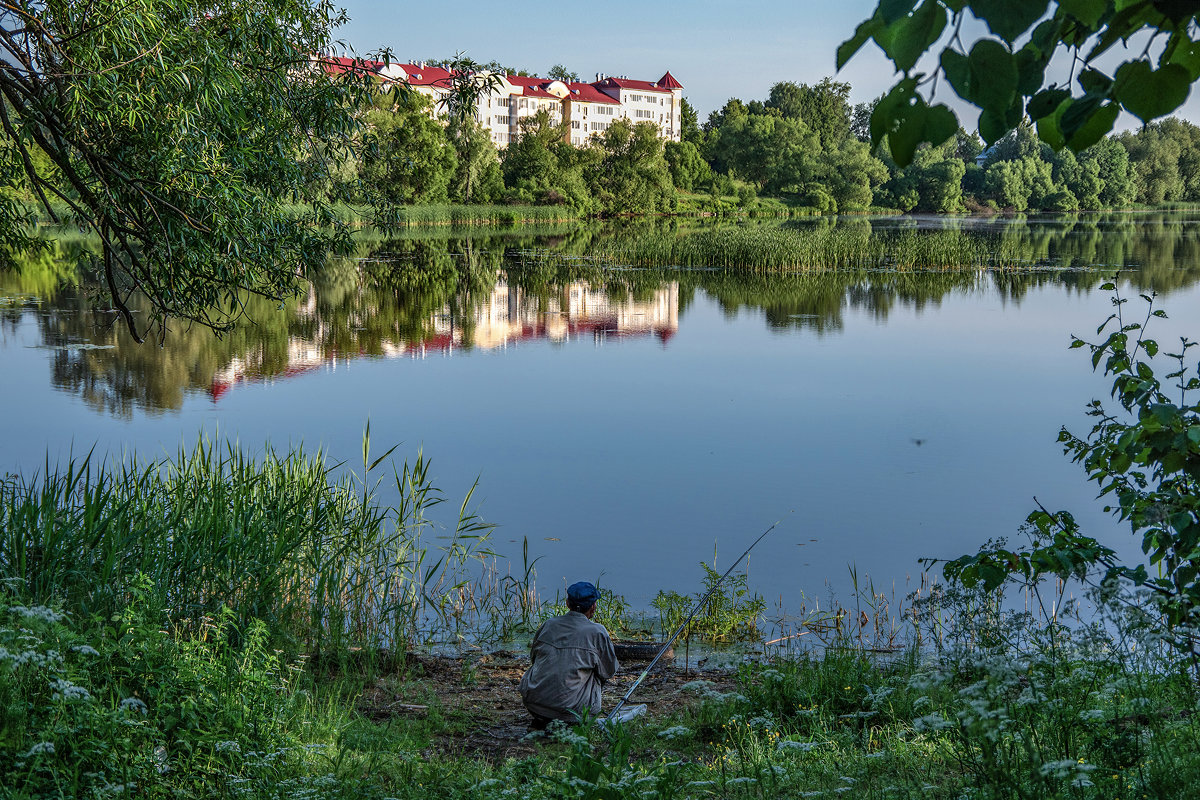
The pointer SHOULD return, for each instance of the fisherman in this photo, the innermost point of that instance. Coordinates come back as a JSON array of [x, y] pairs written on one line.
[[570, 658]]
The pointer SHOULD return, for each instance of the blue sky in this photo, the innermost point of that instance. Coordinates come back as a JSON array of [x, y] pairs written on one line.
[[717, 50]]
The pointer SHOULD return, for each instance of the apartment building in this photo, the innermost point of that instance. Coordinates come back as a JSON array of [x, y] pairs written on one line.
[[590, 108]]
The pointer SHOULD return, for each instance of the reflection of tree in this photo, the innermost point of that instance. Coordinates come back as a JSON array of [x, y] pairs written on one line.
[[115, 374], [430, 285], [1160, 251]]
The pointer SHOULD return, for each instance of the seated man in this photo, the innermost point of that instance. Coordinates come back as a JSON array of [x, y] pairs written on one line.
[[570, 658]]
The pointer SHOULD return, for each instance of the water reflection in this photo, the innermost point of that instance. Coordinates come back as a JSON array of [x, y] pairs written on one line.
[[444, 293]]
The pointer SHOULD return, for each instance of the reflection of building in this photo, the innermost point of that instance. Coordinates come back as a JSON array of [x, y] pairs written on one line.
[[589, 107], [506, 317], [511, 316]]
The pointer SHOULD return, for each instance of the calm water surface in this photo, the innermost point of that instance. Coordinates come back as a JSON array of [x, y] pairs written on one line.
[[631, 425]]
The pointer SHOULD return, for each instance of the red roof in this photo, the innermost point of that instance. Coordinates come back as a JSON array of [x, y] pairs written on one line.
[[641, 86], [587, 93], [532, 87], [417, 75], [427, 75], [336, 65], [667, 81]]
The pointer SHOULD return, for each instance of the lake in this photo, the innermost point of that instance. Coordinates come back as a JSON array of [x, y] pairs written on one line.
[[629, 424]]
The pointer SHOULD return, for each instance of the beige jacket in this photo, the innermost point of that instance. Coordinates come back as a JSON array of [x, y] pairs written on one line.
[[571, 657]]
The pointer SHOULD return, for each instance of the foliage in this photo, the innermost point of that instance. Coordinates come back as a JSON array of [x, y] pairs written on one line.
[[278, 540], [1007, 81], [1145, 455], [689, 170], [477, 177], [632, 175], [560, 73], [730, 614], [175, 131], [407, 157], [540, 167]]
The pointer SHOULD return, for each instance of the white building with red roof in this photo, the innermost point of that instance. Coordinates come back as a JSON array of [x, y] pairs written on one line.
[[589, 108]]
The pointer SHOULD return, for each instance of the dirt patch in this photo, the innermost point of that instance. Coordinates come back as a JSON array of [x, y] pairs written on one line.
[[477, 694]]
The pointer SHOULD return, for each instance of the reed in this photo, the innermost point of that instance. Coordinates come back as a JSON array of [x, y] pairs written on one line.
[[764, 248], [281, 538]]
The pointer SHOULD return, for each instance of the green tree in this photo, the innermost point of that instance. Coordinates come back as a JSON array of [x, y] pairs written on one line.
[[689, 124], [560, 73], [1144, 454], [408, 158], [1004, 74], [539, 167], [1163, 158], [476, 175], [176, 130], [632, 176], [1112, 165], [824, 108], [689, 170]]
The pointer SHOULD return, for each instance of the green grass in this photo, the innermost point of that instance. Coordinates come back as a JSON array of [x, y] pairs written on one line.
[[277, 538], [766, 248]]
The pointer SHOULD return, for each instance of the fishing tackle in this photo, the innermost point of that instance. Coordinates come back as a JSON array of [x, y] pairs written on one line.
[[612, 715]]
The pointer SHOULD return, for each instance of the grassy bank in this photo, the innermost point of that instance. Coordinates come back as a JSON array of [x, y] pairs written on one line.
[[216, 625], [124, 707]]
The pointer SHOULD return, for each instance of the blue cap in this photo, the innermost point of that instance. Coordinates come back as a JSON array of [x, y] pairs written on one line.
[[582, 592]]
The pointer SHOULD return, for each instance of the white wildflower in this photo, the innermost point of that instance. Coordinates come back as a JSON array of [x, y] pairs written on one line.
[[65, 690], [85, 650], [932, 722], [675, 732], [133, 704], [42, 613], [227, 747], [41, 748], [803, 747]]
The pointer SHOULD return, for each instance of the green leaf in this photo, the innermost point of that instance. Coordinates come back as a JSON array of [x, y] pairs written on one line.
[[1193, 434], [1048, 131], [892, 10], [1185, 53], [955, 68], [1045, 37], [1031, 70], [1088, 12], [1123, 24], [993, 73], [920, 123], [991, 127], [1148, 93], [904, 139], [862, 33], [1008, 19], [906, 40], [940, 124], [887, 110], [1095, 82], [1089, 125], [1046, 102]]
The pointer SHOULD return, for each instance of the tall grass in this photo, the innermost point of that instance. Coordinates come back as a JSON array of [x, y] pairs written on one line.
[[778, 249], [279, 538], [441, 214]]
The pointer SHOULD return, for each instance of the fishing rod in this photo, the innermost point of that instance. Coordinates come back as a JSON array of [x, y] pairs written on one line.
[[612, 715]]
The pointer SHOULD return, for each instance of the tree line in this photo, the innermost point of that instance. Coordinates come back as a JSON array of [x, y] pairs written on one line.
[[804, 144]]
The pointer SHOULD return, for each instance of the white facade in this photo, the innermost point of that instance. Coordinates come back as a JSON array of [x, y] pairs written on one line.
[[590, 108]]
